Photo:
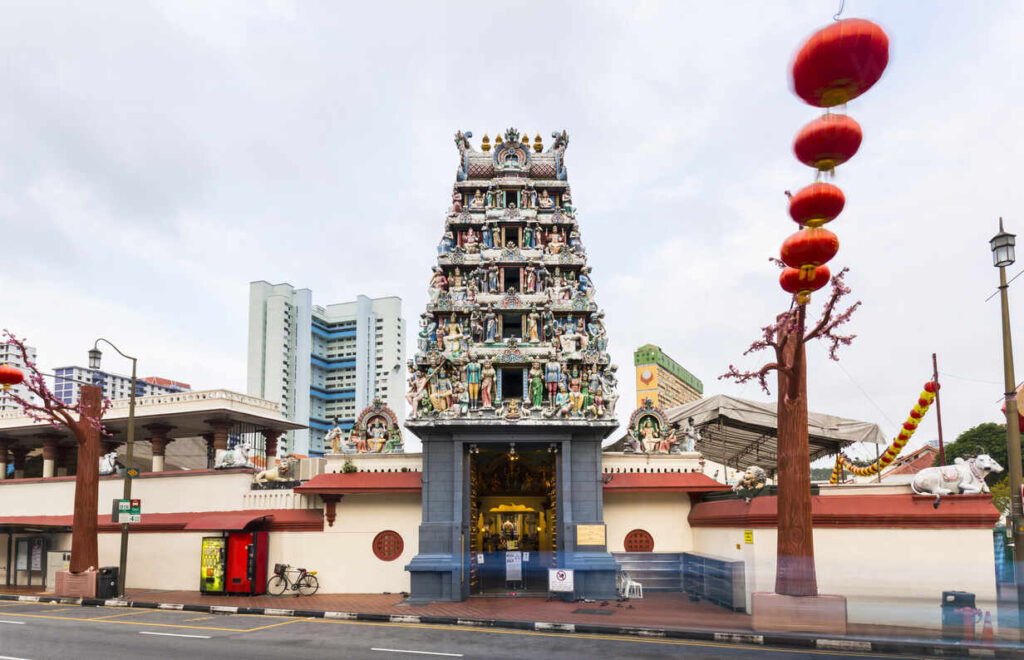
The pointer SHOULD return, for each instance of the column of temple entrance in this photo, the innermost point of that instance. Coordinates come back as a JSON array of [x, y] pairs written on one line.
[[50, 441], [159, 441], [221, 429], [4, 444], [20, 453]]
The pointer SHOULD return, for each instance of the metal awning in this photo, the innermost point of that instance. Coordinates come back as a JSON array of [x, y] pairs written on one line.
[[739, 433]]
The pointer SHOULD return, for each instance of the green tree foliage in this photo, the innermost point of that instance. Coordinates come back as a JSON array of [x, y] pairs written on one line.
[[1001, 496], [988, 438]]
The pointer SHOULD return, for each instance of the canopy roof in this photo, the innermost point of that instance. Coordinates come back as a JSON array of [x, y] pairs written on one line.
[[739, 433]]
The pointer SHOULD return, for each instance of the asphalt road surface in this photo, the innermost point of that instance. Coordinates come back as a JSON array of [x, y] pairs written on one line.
[[47, 631]]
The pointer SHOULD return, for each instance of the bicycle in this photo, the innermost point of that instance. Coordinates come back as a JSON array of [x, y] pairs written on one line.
[[306, 583]]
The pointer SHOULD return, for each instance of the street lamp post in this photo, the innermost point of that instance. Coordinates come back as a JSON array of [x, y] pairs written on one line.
[[94, 363], [1003, 256]]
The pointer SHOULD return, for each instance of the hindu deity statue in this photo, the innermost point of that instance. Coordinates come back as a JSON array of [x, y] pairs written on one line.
[[438, 283], [532, 321], [474, 374], [441, 393], [487, 378], [477, 203], [471, 241], [530, 281], [545, 201], [563, 403], [552, 378], [536, 387], [554, 242], [490, 325], [487, 236], [691, 435], [447, 243], [418, 389], [453, 340]]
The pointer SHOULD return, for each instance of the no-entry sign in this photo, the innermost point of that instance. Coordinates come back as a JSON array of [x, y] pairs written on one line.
[[560, 579]]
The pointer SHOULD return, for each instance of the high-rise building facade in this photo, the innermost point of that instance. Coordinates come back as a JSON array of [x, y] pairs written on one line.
[[663, 380], [10, 354], [323, 363], [68, 380]]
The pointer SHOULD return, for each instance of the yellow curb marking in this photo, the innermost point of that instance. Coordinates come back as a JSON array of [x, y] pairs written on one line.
[[114, 616]]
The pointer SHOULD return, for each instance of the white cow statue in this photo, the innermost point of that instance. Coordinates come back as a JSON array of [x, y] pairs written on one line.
[[108, 463], [237, 457], [964, 477]]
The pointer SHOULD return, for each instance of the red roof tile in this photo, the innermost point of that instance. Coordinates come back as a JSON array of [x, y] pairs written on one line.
[[346, 483], [672, 482]]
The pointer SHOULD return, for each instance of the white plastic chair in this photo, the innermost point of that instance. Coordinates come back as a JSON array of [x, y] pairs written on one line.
[[629, 588]]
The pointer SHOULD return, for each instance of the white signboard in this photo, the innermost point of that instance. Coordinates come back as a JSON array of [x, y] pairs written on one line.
[[513, 566], [479, 557], [560, 579]]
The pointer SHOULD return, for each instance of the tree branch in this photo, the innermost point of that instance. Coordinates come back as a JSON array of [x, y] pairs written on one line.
[[760, 376]]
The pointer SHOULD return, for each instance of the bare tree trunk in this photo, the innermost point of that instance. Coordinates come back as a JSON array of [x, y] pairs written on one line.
[[794, 572], [84, 552]]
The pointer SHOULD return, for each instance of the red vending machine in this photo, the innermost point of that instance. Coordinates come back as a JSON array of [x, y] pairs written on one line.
[[246, 570]]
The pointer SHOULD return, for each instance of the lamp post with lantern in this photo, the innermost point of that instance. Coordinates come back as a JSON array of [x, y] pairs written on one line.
[[94, 363], [1002, 256]]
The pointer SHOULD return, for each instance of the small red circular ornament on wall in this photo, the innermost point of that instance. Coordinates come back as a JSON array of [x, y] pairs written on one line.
[[388, 545], [639, 540]]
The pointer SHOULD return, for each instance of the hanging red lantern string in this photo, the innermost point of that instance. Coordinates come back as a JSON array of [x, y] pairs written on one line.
[[809, 248], [917, 413], [801, 284], [816, 204], [10, 376], [827, 141], [840, 62]]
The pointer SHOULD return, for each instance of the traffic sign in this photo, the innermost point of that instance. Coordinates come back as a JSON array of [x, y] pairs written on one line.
[[126, 511], [133, 472]]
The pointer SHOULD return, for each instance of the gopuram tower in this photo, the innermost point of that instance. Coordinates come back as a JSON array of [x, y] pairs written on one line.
[[511, 390]]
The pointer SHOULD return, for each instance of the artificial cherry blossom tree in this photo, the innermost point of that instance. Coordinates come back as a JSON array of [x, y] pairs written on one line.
[[82, 419], [787, 337]]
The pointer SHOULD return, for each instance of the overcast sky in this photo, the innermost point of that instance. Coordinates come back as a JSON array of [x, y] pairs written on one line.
[[156, 157]]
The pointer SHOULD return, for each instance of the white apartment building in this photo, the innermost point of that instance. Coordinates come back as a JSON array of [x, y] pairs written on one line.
[[68, 380], [323, 363], [9, 354]]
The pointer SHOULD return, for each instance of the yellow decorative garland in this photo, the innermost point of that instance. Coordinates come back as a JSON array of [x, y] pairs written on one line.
[[924, 401]]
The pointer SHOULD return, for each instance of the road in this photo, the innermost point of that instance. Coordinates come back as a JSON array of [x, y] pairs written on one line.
[[46, 631]]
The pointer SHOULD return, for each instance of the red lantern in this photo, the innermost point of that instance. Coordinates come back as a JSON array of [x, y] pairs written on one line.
[[816, 204], [840, 62], [827, 141], [794, 280], [10, 376], [808, 248]]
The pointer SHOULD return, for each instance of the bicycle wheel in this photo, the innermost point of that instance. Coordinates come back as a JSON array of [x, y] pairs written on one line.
[[276, 585], [307, 585]]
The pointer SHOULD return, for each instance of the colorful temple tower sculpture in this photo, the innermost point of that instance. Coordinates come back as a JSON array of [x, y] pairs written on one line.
[[512, 357]]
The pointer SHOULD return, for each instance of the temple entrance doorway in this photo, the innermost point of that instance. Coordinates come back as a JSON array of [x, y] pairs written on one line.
[[513, 518]]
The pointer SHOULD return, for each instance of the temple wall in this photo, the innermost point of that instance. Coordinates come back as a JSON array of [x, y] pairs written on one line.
[[890, 576], [663, 515], [173, 492]]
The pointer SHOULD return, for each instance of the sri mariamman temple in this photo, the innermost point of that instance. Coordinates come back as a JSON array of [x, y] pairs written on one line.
[[513, 398]]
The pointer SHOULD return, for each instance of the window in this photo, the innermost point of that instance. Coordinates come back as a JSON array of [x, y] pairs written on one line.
[[388, 545], [639, 540]]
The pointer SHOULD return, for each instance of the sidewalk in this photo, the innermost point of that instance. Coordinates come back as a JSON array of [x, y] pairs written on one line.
[[670, 615]]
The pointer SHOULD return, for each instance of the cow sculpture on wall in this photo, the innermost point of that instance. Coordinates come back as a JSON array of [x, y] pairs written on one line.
[[963, 477]]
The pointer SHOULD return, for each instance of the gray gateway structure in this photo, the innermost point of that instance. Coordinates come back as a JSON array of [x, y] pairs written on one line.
[[511, 390]]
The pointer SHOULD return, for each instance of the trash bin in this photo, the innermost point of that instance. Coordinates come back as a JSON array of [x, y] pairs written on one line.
[[955, 606], [106, 582]]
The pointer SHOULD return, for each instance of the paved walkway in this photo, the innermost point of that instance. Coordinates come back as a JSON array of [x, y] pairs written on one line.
[[656, 610]]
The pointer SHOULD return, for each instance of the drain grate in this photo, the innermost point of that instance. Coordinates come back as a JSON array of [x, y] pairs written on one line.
[[605, 612]]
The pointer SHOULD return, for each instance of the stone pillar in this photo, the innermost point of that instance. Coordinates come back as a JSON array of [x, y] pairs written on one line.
[[3, 458], [19, 453], [210, 453], [271, 449], [49, 454], [220, 433], [159, 441]]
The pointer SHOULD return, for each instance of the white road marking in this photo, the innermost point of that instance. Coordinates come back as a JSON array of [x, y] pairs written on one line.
[[146, 632], [11, 657], [17, 623], [450, 655]]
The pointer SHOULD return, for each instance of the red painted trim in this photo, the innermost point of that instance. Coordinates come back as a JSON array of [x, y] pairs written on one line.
[[280, 520], [901, 510], [363, 482]]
